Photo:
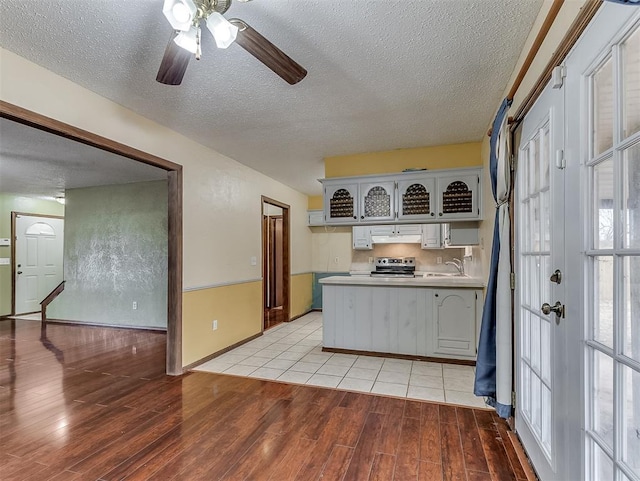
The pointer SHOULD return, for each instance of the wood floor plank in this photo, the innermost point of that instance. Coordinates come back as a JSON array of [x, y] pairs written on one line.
[[429, 471], [448, 414], [518, 469], [485, 419], [337, 464], [390, 436], [453, 468], [471, 445], [497, 459], [314, 464], [288, 467], [413, 409], [383, 467], [94, 403], [430, 442], [362, 460], [478, 476], [407, 458]]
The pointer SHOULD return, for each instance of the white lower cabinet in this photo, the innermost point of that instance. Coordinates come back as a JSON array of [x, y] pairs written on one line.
[[401, 320], [455, 318]]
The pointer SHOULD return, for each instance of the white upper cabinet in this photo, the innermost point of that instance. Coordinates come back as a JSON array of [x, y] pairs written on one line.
[[416, 199], [361, 236], [458, 197], [341, 203], [377, 201], [429, 196]]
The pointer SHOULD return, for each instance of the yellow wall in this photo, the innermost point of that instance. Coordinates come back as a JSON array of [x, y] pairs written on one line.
[[238, 310], [222, 199], [315, 202], [435, 157], [301, 296]]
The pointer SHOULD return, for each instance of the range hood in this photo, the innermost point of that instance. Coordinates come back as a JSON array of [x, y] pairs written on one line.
[[397, 239]]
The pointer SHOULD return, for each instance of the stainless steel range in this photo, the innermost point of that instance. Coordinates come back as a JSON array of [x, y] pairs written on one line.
[[394, 267]]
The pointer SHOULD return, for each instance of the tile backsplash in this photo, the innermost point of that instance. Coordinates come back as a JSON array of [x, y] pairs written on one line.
[[426, 259]]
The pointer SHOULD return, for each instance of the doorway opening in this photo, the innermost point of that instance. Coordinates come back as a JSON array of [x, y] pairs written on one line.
[[174, 214], [275, 262]]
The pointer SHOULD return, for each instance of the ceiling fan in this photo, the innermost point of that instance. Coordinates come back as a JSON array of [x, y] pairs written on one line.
[[185, 16]]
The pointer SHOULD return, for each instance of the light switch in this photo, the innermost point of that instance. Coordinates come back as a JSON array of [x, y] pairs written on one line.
[[254, 260], [5, 261], [5, 242]]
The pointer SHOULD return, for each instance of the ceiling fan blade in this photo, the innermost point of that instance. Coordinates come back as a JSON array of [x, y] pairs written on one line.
[[174, 64], [268, 53]]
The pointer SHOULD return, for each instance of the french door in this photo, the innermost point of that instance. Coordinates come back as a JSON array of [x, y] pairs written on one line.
[[578, 212], [541, 361], [603, 85]]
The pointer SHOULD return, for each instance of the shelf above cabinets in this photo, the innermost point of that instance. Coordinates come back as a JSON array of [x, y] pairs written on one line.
[[424, 197]]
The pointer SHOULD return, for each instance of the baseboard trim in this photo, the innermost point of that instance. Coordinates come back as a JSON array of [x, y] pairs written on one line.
[[112, 326], [300, 315], [410, 357], [219, 353], [522, 456]]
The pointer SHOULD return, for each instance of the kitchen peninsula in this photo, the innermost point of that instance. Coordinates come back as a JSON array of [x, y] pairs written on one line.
[[430, 316]]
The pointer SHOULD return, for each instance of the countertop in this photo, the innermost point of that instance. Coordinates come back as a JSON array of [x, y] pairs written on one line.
[[419, 281]]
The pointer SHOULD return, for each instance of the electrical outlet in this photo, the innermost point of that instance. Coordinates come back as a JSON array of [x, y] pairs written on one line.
[[215, 325], [438, 260], [135, 305], [254, 261], [336, 260], [370, 260]]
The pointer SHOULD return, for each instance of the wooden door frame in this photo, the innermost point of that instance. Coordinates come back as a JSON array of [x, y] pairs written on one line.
[[286, 257], [174, 220], [14, 216]]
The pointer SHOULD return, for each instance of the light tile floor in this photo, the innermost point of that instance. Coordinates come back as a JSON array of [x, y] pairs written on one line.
[[292, 353]]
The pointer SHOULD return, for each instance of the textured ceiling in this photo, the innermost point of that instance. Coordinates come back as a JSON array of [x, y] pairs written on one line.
[[37, 163], [383, 74]]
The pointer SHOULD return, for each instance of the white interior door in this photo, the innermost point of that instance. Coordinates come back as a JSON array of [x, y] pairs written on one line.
[[39, 253], [541, 364], [603, 88]]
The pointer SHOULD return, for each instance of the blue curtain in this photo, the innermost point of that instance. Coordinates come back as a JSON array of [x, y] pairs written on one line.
[[485, 382]]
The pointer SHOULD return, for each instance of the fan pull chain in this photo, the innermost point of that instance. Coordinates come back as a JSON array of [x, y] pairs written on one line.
[[198, 49]]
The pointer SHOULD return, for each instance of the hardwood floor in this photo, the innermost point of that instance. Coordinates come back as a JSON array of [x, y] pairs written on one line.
[[82, 403]]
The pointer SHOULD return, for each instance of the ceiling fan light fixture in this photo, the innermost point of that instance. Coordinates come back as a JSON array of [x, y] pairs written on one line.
[[223, 32], [188, 39], [180, 13]]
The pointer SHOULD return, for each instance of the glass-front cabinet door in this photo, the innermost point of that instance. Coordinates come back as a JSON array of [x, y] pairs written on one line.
[[340, 203], [458, 197], [377, 201], [416, 199]]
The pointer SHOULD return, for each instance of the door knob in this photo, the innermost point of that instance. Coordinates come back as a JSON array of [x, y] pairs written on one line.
[[558, 308], [556, 276], [19, 272]]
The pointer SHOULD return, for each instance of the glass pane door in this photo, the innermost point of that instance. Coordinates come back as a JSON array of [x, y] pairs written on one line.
[[540, 238], [612, 347]]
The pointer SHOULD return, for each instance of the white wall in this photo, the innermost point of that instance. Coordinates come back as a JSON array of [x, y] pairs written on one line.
[[222, 204]]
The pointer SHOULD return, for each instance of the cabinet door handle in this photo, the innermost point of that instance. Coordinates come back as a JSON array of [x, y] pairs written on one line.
[[433, 214], [440, 214], [362, 217], [437, 295], [354, 217]]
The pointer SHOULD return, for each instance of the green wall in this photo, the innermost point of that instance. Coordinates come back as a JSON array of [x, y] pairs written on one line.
[[115, 254], [26, 205]]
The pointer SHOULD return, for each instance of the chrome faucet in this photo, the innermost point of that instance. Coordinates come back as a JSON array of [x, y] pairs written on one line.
[[458, 264]]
